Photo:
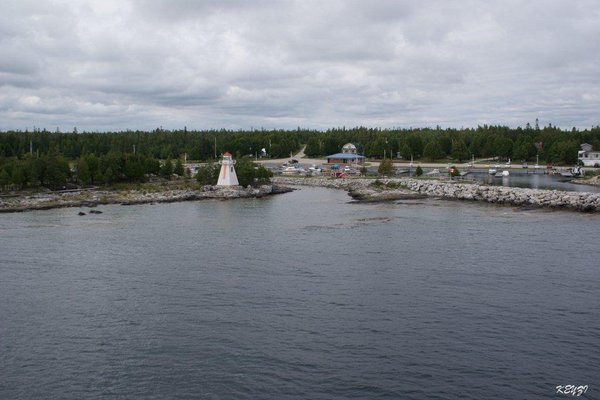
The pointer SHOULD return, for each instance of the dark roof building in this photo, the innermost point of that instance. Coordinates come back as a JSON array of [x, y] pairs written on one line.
[[345, 158]]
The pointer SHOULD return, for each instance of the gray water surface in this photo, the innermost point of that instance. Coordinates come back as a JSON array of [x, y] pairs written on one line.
[[302, 295]]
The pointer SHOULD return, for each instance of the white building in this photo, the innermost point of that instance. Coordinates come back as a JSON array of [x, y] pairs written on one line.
[[349, 148], [588, 157], [227, 176]]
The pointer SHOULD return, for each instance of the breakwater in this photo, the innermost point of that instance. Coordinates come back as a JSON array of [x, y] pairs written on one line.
[[143, 195], [402, 188]]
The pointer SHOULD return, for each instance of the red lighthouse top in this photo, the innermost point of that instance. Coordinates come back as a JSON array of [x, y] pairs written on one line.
[[227, 154]]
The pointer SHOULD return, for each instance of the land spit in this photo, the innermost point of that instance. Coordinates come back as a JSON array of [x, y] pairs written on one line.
[[593, 181], [142, 195], [408, 188]]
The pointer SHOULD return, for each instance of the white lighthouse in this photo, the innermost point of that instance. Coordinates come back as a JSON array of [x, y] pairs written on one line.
[[227, 176]]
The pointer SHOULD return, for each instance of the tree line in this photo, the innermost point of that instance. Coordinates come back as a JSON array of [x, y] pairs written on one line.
[[551, 144], [55, 172], [57, 159], [159, 143], [53, 159]]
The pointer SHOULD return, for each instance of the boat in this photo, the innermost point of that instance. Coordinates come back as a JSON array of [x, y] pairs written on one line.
[[348, 170], [493, 170], [502, 174], [293, 170], [314, 170], [574, 172]]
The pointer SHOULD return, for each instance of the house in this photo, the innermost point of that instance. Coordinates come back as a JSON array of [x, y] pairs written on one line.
[[588, 157], [347, 156]]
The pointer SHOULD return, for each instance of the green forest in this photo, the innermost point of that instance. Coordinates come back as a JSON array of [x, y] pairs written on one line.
[[53, 158]]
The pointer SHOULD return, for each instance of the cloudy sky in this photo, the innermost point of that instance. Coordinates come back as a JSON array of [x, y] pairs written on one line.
[[140, 64]]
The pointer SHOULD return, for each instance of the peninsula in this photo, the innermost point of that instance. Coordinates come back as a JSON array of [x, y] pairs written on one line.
[[168, 192]]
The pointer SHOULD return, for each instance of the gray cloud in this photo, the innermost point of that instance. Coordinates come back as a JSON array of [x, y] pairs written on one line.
[[144, 63]]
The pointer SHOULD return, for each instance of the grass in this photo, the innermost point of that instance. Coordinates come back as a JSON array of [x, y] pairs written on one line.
[[155, 187]]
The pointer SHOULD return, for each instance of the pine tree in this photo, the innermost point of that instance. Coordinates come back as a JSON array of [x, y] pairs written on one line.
[[386, 167], [178, 170], [166, 171]]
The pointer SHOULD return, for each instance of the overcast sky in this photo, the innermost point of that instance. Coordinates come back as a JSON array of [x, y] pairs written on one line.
[[140, 64]]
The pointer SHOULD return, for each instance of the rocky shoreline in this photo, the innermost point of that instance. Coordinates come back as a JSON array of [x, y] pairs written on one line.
[[92, 198], [593, 181], [409, 188], [366, 190]]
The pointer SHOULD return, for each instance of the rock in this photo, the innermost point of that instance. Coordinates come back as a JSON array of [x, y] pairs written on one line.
[[81, 213], [361, 190], [95, 212]]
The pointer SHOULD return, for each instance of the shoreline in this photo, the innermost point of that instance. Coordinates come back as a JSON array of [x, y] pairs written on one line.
[[410, 188], [360, 189], [23, 202]]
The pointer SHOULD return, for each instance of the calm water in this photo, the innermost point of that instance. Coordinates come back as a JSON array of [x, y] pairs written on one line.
[[302, 295], [535, 181]]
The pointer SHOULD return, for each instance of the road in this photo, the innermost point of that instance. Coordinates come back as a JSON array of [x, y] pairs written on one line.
[[479, 164]]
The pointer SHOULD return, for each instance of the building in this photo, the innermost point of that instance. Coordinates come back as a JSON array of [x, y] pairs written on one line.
[[588, 157], [347, 156], [227, 175], [349, 148]]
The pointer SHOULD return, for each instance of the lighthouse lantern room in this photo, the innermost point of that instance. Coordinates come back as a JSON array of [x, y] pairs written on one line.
[[227, 176]]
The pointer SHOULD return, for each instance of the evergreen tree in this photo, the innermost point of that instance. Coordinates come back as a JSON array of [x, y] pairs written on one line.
[[39, 168], [208, 174], [459, 150], [433, 151], [57, 171], [406, 152], [19, 177], [263, 175], [93, 167], [386, 167], [245, 172], [502, 146], [178, 170], [166, 171], [5, 178], [313, 147], [83, 172]]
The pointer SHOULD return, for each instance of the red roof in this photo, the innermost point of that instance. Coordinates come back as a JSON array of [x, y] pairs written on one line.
[[227, 154]]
